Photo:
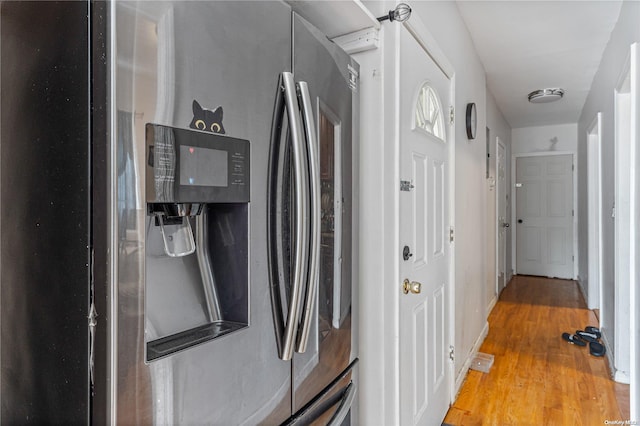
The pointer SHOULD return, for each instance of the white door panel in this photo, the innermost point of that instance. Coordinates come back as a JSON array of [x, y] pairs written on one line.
[[544, 213]]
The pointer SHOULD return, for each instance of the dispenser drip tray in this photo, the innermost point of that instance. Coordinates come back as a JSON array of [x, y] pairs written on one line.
[[170, 344]]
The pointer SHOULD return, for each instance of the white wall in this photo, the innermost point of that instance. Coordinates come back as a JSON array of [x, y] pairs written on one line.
[[560, 137], [601, 99]]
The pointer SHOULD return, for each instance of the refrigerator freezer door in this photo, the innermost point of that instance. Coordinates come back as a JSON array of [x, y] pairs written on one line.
[[334, 406], [227, 56], [45, 209], [331, 78]]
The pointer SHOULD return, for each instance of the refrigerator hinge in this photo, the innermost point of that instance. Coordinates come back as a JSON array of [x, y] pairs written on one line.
[[93, 321], [451, 234], [92, 317], [452, 353], [452, 115]]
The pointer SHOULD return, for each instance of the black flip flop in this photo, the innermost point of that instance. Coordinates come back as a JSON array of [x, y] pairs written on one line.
[[573, 339], [596, 349], [593, 330], [589, 337]]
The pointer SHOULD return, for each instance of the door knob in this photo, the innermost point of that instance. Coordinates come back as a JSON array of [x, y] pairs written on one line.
[[411, 286]]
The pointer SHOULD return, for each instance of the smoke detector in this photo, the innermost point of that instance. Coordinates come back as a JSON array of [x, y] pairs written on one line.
[[544, 96]]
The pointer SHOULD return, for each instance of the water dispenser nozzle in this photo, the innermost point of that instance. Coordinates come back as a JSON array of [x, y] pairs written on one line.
[[173, 219]]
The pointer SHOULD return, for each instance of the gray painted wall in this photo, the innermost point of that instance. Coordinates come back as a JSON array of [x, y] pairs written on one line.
[[601, 99]]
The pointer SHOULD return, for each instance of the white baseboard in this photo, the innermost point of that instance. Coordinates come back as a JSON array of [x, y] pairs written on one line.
[[467, 362], [622, 377], [492, 304], [581, 288], [617, 375]]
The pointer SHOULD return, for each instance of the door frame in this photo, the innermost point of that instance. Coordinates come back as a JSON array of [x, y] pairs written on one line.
[[625, 324], [594, 214], [491, 192], [635, 223], [499, 144], [417, 28], [514, 204]]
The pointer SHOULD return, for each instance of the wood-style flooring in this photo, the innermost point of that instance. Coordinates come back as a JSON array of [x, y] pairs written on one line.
[[537, 378]]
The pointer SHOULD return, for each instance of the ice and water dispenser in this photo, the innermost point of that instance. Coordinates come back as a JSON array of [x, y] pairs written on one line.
[[197, 254]]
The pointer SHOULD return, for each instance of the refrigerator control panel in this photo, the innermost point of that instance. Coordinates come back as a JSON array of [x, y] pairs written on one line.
[[193, 166]]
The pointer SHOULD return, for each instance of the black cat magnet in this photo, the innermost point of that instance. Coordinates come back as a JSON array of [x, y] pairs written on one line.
[[207, 120]]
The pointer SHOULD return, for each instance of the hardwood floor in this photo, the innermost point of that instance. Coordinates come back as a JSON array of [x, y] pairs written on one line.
[[537, 378]]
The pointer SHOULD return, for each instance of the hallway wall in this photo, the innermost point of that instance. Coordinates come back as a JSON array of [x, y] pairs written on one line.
[[601, 99], [558, 137]]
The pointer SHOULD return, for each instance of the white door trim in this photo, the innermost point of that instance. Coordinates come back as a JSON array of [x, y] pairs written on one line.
[[499, 144], [622, 226], [419, 31], [635, 227], [626, 326], [417, 28], [594, 216], [514, 202]]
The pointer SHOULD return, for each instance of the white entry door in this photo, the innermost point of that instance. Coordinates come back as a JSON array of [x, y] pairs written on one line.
[[424, 240], [503, 222], [544, 216]]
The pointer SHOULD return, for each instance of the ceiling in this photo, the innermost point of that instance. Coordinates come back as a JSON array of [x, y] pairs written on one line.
[[524, 45], [353, 15], [530, 45]]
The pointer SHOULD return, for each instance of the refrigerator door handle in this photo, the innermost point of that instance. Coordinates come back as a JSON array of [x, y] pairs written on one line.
[[344, 407], [274, 256], [301, 230], [274, 238], [314, 245]]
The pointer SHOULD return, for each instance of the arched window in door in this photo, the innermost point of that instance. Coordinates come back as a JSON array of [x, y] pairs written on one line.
[[428, 114]]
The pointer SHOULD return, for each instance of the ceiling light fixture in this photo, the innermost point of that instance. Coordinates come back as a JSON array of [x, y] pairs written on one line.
[[544, 96]]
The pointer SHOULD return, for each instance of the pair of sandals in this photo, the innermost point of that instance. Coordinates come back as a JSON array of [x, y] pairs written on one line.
[[590, 335]]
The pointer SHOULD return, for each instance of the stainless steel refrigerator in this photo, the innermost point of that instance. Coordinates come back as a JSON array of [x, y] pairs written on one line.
[[179, 186]]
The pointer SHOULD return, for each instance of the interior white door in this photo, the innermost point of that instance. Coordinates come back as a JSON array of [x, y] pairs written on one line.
[[544, 216], [503, 223], [424, 242]]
